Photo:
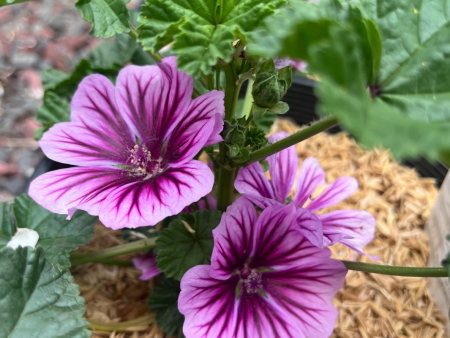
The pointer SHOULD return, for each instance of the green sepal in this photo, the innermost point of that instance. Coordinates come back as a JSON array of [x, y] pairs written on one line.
[[279, 108], [179, 249]]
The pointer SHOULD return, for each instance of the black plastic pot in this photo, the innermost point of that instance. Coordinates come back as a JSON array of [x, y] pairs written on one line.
[[302, 103]]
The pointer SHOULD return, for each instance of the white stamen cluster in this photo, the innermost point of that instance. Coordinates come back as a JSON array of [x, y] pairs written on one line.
[[138, 162], [253, 282]]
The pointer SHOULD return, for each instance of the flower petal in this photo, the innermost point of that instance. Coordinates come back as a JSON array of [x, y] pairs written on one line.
[[252, 183], [153, 100], [283, 167], [97, 135], [85, 188], [233, 239], [274, 238], [202, 123], [261, 317], [305, 291], [149, 201], [310, 226], [310, 177], [335, 192], [208, 304], [356, 226], [148, 265]]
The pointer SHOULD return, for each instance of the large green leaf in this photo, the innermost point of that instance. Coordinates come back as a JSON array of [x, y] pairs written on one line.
[[203, 30], [38, 299], [164, 302], [108, 17], [371, 121], [57, 235], [415, 61], [179, 249], [384, 75]]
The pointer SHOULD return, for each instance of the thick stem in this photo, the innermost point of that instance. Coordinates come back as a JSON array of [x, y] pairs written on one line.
[[396, 270], [226, 177], [290, 140], [226, 188], [102, 255]]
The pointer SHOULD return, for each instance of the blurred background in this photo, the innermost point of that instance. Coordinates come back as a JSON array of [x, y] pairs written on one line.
[[34, 36]]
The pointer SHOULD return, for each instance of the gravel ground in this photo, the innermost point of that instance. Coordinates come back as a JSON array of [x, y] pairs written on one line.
[[33, 37]]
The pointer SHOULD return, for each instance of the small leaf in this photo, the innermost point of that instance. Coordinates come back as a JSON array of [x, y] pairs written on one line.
[[164, 302], [53, 110], [258, 112], [108, 17], [38, 298], [57, 236], [179, 249]]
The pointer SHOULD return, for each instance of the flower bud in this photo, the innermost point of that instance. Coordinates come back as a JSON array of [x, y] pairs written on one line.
[[271, 84]]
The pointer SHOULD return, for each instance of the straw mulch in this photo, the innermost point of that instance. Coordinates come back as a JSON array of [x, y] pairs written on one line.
[[369, 305]]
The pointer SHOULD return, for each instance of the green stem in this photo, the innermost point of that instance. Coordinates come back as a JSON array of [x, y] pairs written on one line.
[[226, 177], [396, 270], [248, 101], [217, 76], [121, 326], [102, 255], [290, 140], [157, 57], [226, 188]]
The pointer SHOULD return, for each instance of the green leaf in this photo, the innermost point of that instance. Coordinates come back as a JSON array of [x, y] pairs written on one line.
[[199, 46], [164, 303], [57, 235], [108, 17], [372, 121], [203, 30], [179, 249], [53, 110], [7, 229], [415, 59], [39, 299], [52, 77], [114, 54], [292, 31]]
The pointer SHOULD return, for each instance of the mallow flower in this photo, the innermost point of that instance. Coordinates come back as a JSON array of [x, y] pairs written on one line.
[[134, 145], [265, 280], [353, 228]]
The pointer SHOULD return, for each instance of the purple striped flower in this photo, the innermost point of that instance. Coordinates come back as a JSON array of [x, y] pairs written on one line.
[[134, 144], [265, 280], [353, 228], [148, 266]]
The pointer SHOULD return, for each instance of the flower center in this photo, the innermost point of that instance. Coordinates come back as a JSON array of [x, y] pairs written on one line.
[[142, 164], [252, 281]]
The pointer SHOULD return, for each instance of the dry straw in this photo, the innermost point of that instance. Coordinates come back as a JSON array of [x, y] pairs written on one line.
[[369, 305]]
